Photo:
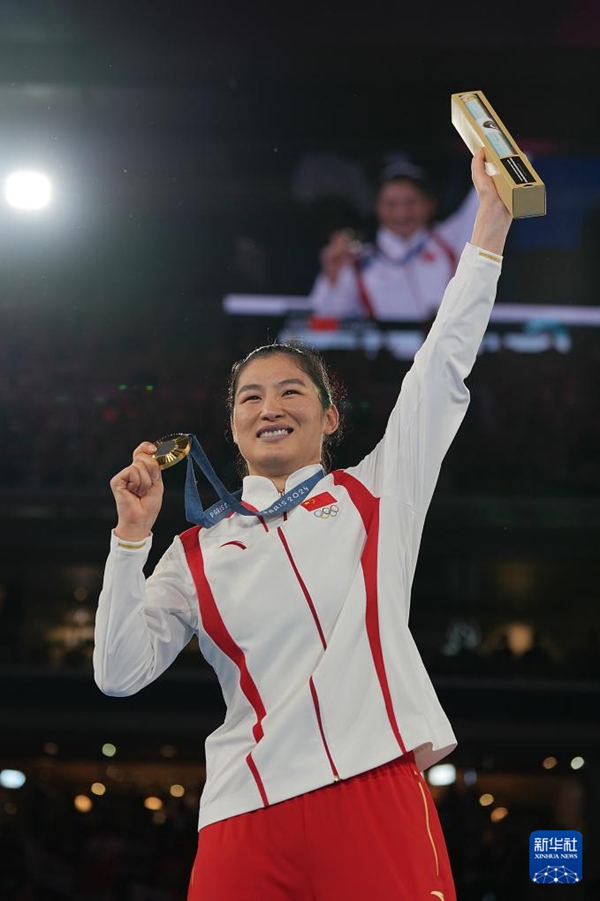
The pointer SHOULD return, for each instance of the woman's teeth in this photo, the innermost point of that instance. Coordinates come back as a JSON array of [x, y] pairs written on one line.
[[274, 433]]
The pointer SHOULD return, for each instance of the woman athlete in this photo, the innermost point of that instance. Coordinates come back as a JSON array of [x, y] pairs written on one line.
[[314, 787]]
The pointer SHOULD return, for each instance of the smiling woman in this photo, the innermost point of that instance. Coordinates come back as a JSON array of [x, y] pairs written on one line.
[[282, 410], [300, 603], [404, 272]]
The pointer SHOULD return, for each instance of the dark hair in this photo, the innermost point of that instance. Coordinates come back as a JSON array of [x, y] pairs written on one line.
[[425, 187], [401, 170], [329, 390]]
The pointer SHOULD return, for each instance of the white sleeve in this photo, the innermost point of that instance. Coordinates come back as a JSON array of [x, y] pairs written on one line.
[[433, 399], [142, 625], [457, 228], [340, 300]]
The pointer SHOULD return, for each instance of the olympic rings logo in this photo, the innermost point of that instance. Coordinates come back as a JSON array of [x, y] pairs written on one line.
[[326, 512]]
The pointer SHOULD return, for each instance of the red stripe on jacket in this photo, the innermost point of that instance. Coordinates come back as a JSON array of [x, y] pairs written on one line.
[[449, 252], [368, 508], [217, 631], [302, 584], [362, 290]]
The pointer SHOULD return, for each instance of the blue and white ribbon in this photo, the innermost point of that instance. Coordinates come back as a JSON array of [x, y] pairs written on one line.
[[231, 503]]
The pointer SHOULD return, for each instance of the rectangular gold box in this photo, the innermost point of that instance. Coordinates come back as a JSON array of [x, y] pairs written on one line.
[[518, 184]]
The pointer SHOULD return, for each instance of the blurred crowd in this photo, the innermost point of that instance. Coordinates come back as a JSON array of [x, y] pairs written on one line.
[[119, 851], [541, 660], [74, 404]]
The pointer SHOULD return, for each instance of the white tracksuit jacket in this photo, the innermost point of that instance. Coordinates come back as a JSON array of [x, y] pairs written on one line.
[[402, 279], [304, 617]]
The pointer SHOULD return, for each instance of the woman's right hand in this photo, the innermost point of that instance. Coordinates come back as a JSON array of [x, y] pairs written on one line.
[[138, 491], [335, 254]]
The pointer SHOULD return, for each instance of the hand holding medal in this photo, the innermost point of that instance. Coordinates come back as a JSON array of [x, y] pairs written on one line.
[[138, 492], [138, 489]]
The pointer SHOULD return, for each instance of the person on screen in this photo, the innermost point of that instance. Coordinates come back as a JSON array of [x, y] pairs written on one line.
[[403, 274], [314, 782]]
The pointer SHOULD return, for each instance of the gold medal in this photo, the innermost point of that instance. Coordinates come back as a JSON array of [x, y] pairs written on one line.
[[171, 449]]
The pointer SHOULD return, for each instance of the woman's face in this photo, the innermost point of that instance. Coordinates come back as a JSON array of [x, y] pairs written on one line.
[[278, 421], [404, 208]]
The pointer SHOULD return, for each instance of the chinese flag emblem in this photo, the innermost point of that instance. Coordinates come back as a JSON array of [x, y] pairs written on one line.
[[318, 501]]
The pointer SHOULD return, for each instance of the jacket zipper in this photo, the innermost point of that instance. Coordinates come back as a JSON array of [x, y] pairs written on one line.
[[313, 691]]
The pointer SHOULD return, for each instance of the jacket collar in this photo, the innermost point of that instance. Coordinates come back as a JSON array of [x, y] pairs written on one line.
[[260, 492], [396, 247]]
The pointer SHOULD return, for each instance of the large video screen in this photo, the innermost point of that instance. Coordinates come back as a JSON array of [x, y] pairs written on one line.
[[377, 282]]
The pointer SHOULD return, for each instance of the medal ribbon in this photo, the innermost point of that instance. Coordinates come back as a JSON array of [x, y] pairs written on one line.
[[231, 503], [411, 255]]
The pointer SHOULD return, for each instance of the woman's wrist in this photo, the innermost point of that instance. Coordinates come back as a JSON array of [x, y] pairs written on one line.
[[492, 224], [131, 534]]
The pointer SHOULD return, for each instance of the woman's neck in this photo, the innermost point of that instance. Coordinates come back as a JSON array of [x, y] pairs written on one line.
[[279, 482]]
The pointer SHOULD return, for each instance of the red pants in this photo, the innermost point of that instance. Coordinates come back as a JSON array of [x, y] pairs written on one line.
[[376, 835]]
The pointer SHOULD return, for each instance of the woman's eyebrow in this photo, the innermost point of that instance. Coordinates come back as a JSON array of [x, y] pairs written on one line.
[[289, 382], [254, 386]]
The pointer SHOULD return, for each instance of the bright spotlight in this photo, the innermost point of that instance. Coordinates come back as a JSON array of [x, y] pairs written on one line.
[[12, 779], [28, 190], [442, 774]]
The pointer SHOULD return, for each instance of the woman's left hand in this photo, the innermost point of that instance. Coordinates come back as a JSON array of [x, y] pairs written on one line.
[[493, 220]]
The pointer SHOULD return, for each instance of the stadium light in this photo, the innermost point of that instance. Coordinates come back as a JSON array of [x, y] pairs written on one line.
[[442, 774], [12, 779], [27, 190]]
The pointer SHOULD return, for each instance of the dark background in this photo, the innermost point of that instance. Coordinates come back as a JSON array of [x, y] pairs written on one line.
[[171, 135]]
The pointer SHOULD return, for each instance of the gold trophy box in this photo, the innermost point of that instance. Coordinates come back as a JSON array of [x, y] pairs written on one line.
[[518, 184]]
